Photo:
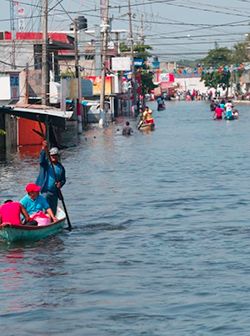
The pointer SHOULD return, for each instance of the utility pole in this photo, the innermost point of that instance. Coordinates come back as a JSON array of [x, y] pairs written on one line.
[[132, 54], [78, 79], [45, 68], [142, 30], [104, 34], [13, 34], [27, 84], [98, 61]]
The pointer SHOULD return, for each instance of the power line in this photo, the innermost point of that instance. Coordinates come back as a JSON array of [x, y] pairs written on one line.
[[192, 43]]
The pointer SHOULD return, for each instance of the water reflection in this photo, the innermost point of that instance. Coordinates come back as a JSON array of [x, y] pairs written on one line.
[[26, 266], [29, 152], [7, 156], [161, 234], [12, 280]]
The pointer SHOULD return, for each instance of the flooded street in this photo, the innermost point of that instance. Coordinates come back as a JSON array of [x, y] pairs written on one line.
[[161, 235]]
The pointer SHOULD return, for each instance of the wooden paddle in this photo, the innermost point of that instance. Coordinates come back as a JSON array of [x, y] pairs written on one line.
[[140, 124], [60, 195]]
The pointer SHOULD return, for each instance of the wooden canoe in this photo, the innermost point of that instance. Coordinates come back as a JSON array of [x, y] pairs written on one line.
[[147, 127], [13, 232]]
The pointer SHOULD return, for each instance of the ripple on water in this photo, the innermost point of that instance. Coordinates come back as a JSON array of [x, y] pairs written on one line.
[[160, 244]]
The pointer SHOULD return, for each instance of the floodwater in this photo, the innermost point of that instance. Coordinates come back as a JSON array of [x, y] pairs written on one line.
[[161, 239]]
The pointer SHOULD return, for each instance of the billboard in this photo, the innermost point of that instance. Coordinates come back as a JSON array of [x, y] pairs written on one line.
[[96, 80], [121, 63]]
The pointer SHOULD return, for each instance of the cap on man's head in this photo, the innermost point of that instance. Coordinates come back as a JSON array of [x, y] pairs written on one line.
[[32, 187], [54, 151]]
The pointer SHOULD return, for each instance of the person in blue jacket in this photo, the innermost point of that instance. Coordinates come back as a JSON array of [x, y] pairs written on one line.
[[49, 179]]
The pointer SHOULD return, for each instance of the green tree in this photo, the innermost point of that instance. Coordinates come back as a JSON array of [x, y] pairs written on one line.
[[142, 51], [147, 81], [217, 78], [67, 74], [188, 63], [147, 76], [2, 132], [218, 57], [240, 53], [124, 47]]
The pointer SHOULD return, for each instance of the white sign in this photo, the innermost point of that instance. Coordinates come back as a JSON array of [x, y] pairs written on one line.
[[121, 63], [21, 25], [164, 77]]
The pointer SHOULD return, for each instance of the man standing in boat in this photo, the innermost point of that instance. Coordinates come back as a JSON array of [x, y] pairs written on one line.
[[51, 178]]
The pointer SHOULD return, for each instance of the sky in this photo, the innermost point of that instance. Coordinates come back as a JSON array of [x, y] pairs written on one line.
[[175, 29]]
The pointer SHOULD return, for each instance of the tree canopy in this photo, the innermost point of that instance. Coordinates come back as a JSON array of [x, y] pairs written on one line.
[[216, 79], [217, 57], [240, 53], [142, 51], [2, 132], [224, 56], [147, 81], [220, 60]]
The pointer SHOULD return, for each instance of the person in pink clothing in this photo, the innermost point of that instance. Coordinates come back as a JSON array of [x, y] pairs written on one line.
[[10, 212], [218, 112]]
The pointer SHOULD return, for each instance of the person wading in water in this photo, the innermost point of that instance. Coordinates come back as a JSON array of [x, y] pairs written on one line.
[[127, 129]]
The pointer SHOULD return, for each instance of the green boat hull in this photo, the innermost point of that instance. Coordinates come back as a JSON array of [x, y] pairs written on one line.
[[13, 233], [147, 127]]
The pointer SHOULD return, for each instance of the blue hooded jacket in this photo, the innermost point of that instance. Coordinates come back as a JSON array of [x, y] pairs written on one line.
[[43, 174]]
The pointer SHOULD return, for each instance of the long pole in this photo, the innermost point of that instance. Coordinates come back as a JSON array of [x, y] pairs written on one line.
[[98, 46], [13, 34], [45, 73], [142, 29], [130, 31], [104, 34], [60, 195], [78, 79]]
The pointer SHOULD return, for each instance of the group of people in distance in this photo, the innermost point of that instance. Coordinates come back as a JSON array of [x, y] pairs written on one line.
[[39, 205], [224, 109]]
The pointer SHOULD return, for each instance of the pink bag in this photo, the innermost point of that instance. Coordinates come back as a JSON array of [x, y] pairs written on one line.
[[41, 218]]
